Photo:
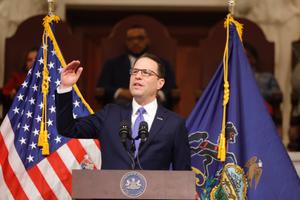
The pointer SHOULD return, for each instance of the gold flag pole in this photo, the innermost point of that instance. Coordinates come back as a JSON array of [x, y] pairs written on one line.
[[43, 136], [231, 6], [222, 144], [51, 7]]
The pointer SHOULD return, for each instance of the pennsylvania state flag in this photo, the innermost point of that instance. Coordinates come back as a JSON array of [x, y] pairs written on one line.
[[256, 165]]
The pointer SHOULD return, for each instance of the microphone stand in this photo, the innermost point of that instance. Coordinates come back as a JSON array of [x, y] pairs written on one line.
[[131, 153], [125, 135], [143, 135], [138, 160]]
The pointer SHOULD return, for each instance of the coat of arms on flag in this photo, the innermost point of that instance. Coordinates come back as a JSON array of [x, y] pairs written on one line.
[[36, 162]]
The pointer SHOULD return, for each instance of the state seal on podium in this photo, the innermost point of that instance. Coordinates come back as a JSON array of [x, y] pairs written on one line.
[[133, 184]]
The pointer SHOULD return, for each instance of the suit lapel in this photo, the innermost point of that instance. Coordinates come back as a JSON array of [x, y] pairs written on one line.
[[158, 122]]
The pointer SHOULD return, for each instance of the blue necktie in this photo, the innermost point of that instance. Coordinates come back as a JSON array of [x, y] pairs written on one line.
[[135, 128]]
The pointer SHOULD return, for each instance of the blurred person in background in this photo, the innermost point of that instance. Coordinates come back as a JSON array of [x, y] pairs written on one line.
[[294, 133], [11, 87], [115, 74], [268, 86]]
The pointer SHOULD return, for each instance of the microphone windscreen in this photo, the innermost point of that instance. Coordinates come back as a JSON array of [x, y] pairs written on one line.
[[143, 131], [123, 124], [124, 130], [143, 126]]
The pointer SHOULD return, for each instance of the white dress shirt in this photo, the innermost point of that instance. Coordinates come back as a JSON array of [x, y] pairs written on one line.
[[149, 115]]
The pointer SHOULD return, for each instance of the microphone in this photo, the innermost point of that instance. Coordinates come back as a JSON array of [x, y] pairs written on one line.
[[124, 135], [124, 132], [143, 132]]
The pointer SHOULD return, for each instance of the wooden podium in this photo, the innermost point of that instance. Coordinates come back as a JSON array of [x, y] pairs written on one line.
[[139, 184]]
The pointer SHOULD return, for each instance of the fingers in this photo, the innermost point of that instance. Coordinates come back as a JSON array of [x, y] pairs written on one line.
[[72, 66], [70, 74], [78, 72]]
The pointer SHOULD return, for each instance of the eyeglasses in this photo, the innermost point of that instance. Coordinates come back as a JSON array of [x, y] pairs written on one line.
[[144, 72]]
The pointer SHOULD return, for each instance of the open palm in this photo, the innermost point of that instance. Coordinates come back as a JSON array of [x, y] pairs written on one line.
[[70, 74]]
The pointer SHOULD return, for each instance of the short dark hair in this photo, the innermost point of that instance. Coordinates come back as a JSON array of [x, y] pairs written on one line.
[[160, 66]]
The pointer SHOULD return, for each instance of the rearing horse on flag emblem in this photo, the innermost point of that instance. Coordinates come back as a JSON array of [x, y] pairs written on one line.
[[209, 150]]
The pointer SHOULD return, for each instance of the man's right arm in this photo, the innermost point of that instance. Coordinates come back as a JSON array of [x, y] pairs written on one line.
[[86, 127], [64, 117]]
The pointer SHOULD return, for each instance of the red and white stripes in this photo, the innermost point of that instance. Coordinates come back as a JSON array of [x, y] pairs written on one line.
[[51, 177]]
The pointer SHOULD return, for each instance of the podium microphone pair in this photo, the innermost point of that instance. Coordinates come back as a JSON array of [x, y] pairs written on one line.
[[124, 132], [125, 135]]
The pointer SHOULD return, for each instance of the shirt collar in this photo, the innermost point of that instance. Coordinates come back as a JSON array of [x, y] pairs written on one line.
[[150, 107]]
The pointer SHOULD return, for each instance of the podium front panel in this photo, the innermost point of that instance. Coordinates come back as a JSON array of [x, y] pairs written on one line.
[[109, 184]]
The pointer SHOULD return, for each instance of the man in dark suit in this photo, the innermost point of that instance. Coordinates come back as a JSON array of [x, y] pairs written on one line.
[[167, 143], [113, 77]]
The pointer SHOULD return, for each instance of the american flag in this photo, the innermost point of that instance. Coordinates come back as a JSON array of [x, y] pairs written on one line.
[[25, 173]]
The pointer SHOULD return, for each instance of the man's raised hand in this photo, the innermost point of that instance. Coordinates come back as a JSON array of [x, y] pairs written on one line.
[[70, 74]]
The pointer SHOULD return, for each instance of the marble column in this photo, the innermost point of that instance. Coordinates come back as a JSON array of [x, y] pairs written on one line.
[[12, 13], [280, 21]]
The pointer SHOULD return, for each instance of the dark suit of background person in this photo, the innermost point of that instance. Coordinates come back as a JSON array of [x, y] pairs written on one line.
[[167, 142], [114, 71]]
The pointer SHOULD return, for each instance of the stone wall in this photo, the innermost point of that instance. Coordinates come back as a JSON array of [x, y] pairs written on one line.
[[280, 21]]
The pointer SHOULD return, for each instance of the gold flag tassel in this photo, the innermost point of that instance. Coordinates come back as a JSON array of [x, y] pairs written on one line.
[[43, 136], [48, 30], [222, 139]]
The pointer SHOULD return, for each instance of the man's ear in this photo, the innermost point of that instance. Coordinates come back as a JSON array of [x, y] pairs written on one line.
[[160, 83]]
